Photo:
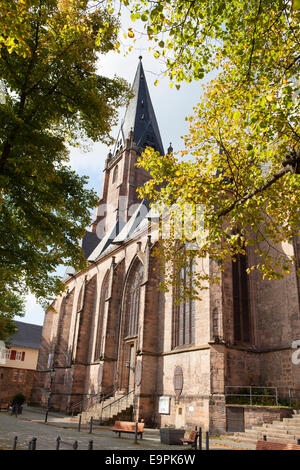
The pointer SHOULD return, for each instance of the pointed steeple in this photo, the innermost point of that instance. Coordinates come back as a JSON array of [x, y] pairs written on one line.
[[140, 117]]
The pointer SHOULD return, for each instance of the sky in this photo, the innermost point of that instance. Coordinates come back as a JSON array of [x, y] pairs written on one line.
[[171, 107]]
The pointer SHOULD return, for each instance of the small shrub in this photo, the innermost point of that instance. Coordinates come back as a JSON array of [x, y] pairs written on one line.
[[18, 399]]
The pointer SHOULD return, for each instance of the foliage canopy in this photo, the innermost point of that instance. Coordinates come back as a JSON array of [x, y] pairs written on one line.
[[51, 97], [244, 137]]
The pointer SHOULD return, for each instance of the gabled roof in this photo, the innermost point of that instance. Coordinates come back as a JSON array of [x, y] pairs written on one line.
[[106, 241], [140, 116], [89, 243], [27, 336], [133, 223]]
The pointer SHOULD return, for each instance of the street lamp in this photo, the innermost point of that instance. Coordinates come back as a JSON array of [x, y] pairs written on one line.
[[52, 373]]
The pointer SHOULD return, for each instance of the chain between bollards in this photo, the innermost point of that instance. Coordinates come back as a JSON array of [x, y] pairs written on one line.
[[59, 441]]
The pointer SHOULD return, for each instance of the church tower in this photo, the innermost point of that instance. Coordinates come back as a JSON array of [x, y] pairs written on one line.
[[119, 197]]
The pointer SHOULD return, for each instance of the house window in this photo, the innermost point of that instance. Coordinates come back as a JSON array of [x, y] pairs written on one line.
[[184, 312], [132, 299], [15, 375], [19, 356], [21, 376], [240, 291], [6, 354]]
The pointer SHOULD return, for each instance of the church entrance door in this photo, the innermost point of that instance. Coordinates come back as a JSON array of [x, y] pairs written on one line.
[[131, 368]]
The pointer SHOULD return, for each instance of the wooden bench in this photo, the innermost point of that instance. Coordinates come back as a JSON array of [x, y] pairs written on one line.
[[191, 439], [128, 427], [4, 406], [268, 445]]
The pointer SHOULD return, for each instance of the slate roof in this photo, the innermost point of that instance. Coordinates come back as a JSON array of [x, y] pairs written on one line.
[[140, 116], [27, 336], [89, 243]]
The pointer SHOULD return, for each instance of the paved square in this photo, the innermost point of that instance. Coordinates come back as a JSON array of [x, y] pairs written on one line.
[[31, 424]]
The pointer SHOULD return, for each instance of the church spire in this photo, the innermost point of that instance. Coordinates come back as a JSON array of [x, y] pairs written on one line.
[[140, 117]]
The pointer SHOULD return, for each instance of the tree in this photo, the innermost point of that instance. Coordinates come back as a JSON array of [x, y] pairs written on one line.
[[244, 137], [52, 97]]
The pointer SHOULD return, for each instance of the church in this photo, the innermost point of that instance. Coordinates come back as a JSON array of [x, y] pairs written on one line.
[[114, 346]]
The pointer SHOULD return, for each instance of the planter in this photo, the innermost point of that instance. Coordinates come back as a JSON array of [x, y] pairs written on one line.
[[171, 436]]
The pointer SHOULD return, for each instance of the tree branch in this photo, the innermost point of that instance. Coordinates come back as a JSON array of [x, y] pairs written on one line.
[[287, 169]]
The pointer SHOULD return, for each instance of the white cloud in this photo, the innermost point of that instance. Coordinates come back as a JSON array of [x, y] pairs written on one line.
[[34, 312]]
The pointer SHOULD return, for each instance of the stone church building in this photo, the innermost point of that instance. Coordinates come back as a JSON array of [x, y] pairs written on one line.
[[114, 342]]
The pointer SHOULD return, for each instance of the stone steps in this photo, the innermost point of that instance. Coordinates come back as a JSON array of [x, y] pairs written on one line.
[[290, 429], [253, 440], [295, 419], [122, 408], [285, 431], [259, 435]]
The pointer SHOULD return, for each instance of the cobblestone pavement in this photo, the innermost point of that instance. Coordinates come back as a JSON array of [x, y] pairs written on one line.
[[31, 424]]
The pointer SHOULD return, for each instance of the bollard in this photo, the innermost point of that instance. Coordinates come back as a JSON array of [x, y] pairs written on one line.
[[200, 438], [57, 443], [75, 445], [79, 423], [91, 425], [90, 446], [33, 443], [136, 433], [264, 437], [196, 438], [15, 443], [207, 440], [46, 416]]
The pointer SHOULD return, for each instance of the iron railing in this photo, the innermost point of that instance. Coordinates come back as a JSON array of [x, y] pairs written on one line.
[[262, 396], [91, 400], [120, 404]]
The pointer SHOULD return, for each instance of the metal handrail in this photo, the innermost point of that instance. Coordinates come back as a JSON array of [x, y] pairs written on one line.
[[103, 395], [277, 393], [117, 400]]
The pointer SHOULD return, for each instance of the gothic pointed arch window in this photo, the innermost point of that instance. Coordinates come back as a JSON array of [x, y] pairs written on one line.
[[132, 298], [115, 174], [184, 312], [240, 294], [100, 332]]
